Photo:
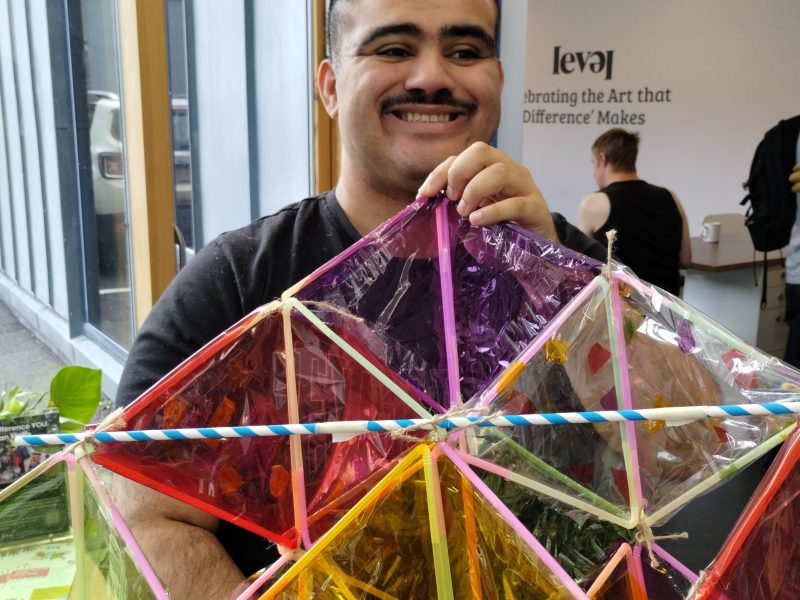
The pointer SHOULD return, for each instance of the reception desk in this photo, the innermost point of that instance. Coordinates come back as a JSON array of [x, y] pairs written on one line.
[[725, 282]]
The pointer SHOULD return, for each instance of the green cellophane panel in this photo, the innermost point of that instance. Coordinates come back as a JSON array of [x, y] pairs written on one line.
[[111, 572], [578, 544], [37, 557]]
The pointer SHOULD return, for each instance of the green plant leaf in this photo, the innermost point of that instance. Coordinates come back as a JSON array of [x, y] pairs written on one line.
[[16, 401], [76, 392]]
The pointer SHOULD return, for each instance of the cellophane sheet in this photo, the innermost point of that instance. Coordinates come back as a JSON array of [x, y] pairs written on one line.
[[760, 557]]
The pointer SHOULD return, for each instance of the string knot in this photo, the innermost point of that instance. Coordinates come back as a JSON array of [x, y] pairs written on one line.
[[645, 537], [611, 237], [440, 434], [293, 554]]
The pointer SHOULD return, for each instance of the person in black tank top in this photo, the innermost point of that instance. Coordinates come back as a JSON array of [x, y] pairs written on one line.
[[652, 233]]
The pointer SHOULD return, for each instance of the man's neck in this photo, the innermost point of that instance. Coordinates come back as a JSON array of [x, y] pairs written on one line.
[[366, 207], [617, 176]]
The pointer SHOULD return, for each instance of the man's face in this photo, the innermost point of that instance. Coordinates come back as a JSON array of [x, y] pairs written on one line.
[[416, 81]]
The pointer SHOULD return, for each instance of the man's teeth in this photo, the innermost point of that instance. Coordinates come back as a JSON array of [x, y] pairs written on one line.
[[420, 118]]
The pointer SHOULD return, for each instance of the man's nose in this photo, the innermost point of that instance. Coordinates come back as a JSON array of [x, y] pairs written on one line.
[[430, 72]]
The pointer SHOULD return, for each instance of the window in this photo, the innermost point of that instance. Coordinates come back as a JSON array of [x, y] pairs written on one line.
[[104, 213]]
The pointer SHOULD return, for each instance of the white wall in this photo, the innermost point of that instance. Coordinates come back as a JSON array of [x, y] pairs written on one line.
[[514, 31], [282, 118], [221, 107], [731, 67], [284, 91]]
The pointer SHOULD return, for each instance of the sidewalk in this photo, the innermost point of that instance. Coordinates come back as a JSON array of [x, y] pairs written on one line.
[[24, 359]]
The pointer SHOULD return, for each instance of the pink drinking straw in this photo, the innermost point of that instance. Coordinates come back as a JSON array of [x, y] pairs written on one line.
[[638, 572], [264, 577], [295, 446], [448, 310], [690, 575], [122, 528]]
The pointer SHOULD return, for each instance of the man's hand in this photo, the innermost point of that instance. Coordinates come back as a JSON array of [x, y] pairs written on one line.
[[795, 178], [489, 188]]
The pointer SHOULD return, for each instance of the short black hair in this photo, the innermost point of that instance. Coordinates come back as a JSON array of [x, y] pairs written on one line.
[[333, 23]]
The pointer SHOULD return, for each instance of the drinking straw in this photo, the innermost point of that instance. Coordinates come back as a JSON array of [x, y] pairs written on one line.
[[622, 553], [671, 414], [471, 538], [264, 577], [122, 529], [438, 529], [542, 554], [295, 446], [76, 509], [619, 360], [690, 575], [448, 304], [358, 357], [30, 475]]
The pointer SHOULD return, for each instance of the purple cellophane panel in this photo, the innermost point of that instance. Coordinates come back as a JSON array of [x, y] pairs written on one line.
[[507, 283]]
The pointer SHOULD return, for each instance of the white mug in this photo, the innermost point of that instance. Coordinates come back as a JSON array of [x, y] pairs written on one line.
[[710, 231]]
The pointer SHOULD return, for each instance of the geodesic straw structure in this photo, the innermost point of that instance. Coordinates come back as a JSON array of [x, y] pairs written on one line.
[[429, 317]]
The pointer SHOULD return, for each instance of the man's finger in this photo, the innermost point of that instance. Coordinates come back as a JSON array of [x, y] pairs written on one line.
[[436, 181], [467, 165]]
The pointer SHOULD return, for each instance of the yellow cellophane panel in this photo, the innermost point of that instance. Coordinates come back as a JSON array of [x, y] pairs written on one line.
[[380, 550], [488, 559]]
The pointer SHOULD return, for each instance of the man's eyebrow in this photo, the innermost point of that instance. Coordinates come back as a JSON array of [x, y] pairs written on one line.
[[388, 30], [473, 31], [413, 30]]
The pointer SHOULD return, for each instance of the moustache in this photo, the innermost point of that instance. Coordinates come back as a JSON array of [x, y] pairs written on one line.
[[438, 98]]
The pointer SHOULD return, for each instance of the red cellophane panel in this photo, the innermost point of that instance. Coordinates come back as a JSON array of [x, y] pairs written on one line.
[[239, 379], [759, 560]]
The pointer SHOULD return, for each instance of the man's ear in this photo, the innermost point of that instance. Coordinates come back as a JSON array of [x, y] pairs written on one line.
[[326, 88], [502, 72]]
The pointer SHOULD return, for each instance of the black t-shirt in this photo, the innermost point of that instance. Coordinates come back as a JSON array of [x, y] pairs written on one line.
[[649, 231], [233, 275]]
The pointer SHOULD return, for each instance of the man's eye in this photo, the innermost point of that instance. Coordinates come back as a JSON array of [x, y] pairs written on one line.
[[394, 52], [465, 54]]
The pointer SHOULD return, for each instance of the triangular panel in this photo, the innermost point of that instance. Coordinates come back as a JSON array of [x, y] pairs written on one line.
[[759, 559], [240, 379], [393, 543]]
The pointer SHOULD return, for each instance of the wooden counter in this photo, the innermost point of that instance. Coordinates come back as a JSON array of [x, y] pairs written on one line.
[[733, 251]]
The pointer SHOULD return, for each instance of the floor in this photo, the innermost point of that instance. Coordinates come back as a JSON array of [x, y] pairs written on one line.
[[24, 359]]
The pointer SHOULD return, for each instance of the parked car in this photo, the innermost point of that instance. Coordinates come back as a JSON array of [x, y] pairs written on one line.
[[108, 173]]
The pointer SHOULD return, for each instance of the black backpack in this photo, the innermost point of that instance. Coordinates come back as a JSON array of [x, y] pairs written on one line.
[[773, 204]]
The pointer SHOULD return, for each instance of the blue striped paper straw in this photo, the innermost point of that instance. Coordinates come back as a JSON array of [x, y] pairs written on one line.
[[676, 415]]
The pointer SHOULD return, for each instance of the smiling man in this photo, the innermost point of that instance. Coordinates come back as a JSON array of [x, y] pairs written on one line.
[[415, 86]]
